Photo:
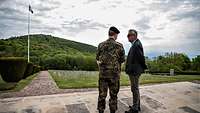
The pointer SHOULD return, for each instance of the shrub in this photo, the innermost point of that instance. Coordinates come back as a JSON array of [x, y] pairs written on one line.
[[67, 62], [12, 68], [36, 68], [29, 70]]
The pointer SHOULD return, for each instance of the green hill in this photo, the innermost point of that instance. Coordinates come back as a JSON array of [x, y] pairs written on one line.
[[46, 48], [40, 44]]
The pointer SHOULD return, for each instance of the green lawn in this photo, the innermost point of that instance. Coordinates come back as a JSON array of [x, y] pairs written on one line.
[[9, 87], [89, 79]]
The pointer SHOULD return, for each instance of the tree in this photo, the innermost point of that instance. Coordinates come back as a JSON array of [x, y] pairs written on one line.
[[163, 63], [196, 63]]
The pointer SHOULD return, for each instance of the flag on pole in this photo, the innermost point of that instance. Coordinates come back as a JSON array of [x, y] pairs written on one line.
[[30, 9]]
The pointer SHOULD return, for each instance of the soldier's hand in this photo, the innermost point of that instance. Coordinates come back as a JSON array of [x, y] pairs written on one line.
[[98, 62]]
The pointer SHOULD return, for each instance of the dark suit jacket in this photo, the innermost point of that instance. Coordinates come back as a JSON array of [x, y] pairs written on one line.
[[135, 63]]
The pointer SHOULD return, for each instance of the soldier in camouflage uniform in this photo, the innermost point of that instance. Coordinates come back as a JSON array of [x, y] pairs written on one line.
[[110, 56]]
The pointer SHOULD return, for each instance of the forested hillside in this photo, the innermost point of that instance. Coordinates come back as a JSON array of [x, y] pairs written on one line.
[[50, 51]]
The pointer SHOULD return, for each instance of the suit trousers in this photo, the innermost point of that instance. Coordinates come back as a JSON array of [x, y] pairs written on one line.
[[134, 80]]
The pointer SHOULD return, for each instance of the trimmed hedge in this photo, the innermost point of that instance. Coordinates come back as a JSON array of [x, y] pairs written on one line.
[[36, 68], [12, 68], [176, 72], [29, 70]]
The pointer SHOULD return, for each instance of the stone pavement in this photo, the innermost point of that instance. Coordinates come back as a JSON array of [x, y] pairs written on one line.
[[42, 84], [180, 97]]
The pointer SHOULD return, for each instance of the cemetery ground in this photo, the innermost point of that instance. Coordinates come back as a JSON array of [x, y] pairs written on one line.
[[89, 79], [59, 91]]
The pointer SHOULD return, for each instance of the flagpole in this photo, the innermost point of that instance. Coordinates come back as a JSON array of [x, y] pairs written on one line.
[[28, 35]]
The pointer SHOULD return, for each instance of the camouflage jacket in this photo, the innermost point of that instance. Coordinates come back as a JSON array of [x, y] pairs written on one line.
[[110, 54]]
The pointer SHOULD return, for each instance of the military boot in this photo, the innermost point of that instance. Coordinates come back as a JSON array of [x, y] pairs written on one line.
[[101, 111]]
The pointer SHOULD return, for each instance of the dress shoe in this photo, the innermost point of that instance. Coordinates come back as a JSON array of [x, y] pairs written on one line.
[[131, 110]]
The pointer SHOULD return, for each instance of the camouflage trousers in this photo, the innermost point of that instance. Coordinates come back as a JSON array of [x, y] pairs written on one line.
[[134, 79], [113, 85]]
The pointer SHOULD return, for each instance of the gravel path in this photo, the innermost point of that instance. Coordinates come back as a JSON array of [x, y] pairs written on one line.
[[42, 84]]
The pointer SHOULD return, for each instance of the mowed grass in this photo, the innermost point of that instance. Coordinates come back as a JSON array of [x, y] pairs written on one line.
[[10, 87], [89, 79]]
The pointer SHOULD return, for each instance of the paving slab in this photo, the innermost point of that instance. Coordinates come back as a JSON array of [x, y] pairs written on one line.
[[179, 97], [77, 108]]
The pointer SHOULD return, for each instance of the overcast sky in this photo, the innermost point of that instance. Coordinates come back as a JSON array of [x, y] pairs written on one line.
[[163, 25]]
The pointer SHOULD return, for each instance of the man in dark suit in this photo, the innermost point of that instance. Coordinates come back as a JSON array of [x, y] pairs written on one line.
[[135, 65]]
